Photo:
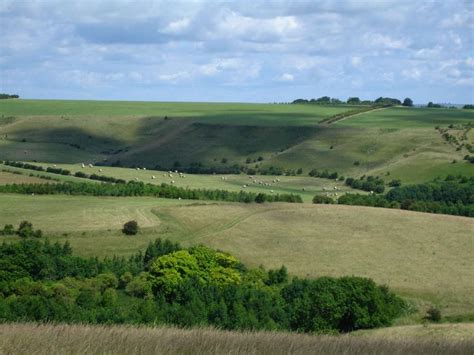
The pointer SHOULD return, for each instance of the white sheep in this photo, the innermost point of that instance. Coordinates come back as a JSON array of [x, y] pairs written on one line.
[[144, 168], [244, 186], [153, 177], [136, 179], [83, 166], [271, 191], [100, 170]]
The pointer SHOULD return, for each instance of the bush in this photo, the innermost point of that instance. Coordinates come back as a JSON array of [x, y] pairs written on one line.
[[130, 228], [25, 229], [8, 230], [322, 200], [433, 314]]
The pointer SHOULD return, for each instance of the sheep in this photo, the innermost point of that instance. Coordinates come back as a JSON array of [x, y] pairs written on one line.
[[255, 181], [91, 166], [278, 180], [179, 198], [144, 168], [271, 191], [136, 179], [176, 171], [371, 192], [170, 175], [82, 165], [153, 177], [54, 165], [172, 181], [244, 186], [100, 170]]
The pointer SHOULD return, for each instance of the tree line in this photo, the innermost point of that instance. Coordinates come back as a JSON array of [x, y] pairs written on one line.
[[8, 96], [168, 284], [133, 188], [381, 101], [454, 196]]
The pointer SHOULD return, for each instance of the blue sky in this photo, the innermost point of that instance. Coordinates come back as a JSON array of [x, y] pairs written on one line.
[[247, 51]]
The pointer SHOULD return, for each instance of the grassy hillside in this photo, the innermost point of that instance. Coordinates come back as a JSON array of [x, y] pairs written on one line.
[[422, 256], [83, 339], [389, 141], [303, 185]]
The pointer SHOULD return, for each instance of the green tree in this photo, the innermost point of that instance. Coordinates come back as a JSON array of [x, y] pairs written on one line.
[[130, 228], [407, 102], [25, 229]]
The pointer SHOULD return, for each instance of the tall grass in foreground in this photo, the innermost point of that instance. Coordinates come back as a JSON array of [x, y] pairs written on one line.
[[28, 338]]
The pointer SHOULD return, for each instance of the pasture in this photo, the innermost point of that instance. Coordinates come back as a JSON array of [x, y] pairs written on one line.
[[10, 178], [424, 257], [303, 185], [390, 141]]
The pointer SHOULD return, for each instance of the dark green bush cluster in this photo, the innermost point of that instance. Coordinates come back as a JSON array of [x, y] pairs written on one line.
[[323, 174], [8, 96], [321, 199], [28, 166], [25, 230], [454, 195], [130, 228], [58, 171], [186, 287], [141, 189], [369, 183]]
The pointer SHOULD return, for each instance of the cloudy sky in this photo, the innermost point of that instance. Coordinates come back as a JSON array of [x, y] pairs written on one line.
[[249, 51]]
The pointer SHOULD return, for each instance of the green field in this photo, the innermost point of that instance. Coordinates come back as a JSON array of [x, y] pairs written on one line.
[[304, 186], [387, 141], [422, 256]]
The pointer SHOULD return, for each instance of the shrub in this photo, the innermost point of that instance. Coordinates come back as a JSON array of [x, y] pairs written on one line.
[[322, 199], [130, 228], [8, 230], [433, 314], [260, 198], [25, 229]]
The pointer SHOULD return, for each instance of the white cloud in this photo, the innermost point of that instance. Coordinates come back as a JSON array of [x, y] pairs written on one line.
[[413, 73], [382, 41], [286, 77], [177, 26], [174, 77], [356, 61]]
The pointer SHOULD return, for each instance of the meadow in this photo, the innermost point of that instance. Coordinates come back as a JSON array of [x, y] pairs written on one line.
[[28, 338], [414, 256], [302, 185], [257, 136]]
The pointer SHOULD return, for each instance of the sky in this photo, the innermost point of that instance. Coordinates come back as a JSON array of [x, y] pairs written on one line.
[[239, 51]]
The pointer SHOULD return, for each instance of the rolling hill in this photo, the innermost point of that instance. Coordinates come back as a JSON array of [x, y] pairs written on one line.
[[380, 142]]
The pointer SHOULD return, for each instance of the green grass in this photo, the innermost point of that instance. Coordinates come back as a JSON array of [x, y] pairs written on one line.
[[403, 117], [398, 141], [424, 257], [286, 184], [222, 113]]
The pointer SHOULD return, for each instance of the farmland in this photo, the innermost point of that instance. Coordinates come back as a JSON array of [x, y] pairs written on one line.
[[422, 257], [414, 256], [254, 136], [305, 186]]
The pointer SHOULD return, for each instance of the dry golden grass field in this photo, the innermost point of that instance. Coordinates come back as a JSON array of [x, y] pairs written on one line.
[[81, 339]]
